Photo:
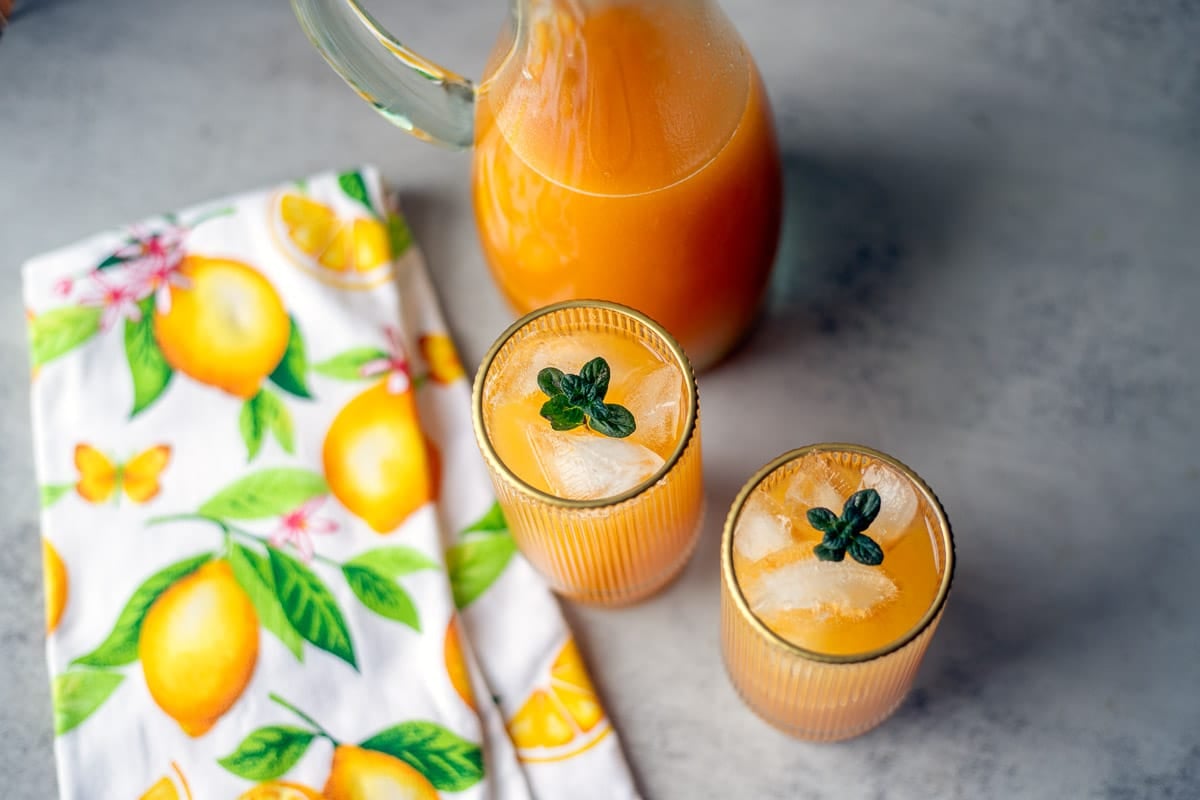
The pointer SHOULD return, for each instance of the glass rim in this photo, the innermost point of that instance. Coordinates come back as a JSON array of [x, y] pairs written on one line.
[[497, 464], [730, 578]]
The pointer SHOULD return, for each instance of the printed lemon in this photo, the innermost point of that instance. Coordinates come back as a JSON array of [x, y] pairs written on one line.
[[226, 328], [346, 252], [163, 789], [561, 718], [359, 774], [442, 358], [281, 790], [377, 461], [456, 664], [166, 788], [54, 575], [199, 646]]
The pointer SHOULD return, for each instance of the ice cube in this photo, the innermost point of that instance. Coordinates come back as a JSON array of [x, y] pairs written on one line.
[[655, 397], [821, 484], [897, 501], [518, 379], [763, 527], [845, 588], [582, 465]]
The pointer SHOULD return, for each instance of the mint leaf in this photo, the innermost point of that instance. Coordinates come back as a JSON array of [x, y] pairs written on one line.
[[863, 550], [611, 420], [575, 389], [861, 509], [845, 534], [822, 519], [562, 414], [828, 553], [549, 380], [597, 374], [578, 399]]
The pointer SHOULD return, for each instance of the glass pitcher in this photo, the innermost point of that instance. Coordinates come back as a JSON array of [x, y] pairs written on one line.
[[624, 150]]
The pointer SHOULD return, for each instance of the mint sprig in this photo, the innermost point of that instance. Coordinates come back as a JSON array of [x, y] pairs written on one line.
[[579, 399], [845, 534]]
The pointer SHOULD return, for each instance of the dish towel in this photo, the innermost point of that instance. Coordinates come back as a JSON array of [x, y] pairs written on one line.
[[274, 564]]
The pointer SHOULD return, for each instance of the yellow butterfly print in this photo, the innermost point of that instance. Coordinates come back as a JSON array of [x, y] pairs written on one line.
[[99, 477]]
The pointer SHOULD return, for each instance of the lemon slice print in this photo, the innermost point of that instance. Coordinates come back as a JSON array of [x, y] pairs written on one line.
[[346, 249], [172, 786], [281, 790], [561, 718]]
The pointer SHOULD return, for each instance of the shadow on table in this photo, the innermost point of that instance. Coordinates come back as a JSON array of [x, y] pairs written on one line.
[[858, 233]]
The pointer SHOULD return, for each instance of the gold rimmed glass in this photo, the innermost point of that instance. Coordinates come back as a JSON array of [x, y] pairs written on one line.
[[605, 550], [832, 667]]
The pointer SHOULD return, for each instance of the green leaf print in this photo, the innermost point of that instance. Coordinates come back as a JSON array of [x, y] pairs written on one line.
[[148, 368], [347, 365], [252, 425], [491, 522], [355, 187], [121, 645], [475, 564], [78, 693], [59, 331], [310, 606], [268, 753], [266, 493], [53, 492], [399, 235], [449, 762], [252, 571], [262, 414], [382, 595], [291, 374], [393, 562]]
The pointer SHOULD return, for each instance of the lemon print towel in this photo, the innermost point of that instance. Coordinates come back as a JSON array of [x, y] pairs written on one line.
[[274, 568]]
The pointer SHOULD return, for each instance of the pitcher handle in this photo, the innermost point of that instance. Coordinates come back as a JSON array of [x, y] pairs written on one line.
[[427, 100]]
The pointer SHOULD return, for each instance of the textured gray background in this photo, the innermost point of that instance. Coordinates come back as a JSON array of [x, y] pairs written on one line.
[[989, 269]]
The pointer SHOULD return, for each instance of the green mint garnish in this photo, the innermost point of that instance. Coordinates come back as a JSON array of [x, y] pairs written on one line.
[[845, 534], [579, 399]]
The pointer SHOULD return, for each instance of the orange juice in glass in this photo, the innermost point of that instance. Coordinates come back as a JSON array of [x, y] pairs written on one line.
[[618, 163], [586, 413], [835, 566]]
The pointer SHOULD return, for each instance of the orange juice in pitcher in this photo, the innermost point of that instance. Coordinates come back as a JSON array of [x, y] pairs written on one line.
[[624, 151]]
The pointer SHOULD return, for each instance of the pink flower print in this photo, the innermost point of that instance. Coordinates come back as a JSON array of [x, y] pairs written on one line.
[[63, 286], [154, 261], [156, 276], [296, 527], [118, 299], [394, 364]]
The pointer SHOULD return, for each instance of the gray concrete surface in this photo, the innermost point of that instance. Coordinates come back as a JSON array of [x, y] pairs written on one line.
[[989, 269]]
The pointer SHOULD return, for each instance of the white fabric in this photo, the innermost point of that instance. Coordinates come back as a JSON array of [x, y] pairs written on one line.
[[116, 739]]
